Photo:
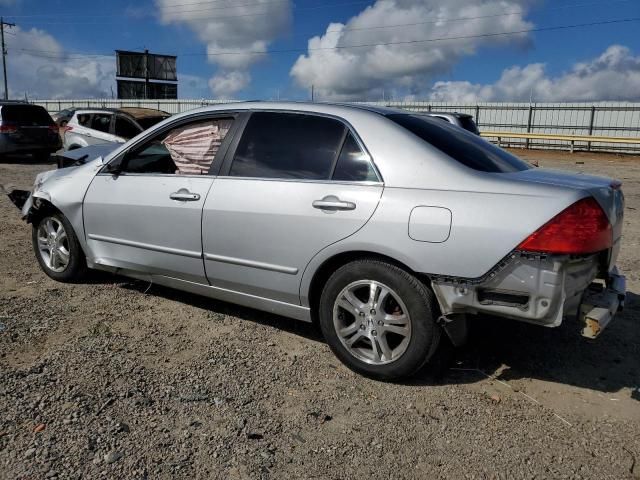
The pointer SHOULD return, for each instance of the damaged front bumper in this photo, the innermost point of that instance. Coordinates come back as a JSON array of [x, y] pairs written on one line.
[[538, 289]]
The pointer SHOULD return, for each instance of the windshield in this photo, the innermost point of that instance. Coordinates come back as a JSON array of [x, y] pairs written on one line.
[[464, 147]]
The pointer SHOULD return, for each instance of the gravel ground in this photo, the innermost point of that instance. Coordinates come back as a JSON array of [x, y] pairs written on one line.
[[116, 379]]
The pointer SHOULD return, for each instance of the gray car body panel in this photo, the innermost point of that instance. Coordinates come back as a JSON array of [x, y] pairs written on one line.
[[262, 242]]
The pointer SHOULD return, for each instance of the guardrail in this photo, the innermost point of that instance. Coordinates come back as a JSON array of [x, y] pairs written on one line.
[[572, 139]]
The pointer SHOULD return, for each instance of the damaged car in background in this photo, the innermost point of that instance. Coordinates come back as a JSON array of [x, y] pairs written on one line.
[[391, 230]]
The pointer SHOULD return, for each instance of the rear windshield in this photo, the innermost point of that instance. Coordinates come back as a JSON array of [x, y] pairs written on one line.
[[25, 115], [467, 148]]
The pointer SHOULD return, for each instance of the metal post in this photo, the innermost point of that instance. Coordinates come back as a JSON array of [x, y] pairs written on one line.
[[4, 56], [526, 142], [591, 120], [146, 74]]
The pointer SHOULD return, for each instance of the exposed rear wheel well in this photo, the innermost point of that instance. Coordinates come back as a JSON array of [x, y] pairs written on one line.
[[332, 264]]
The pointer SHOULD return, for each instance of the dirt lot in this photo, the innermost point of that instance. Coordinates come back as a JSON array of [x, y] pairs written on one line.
[[116, 379]]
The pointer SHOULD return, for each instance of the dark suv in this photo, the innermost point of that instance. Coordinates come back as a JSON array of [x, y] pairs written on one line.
[[26, 128]]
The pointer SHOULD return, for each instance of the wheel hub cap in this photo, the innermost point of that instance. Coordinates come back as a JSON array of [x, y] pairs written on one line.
[[372, 322], [53, 244]]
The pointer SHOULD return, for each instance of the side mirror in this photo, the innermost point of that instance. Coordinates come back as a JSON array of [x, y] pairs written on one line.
[[113, 168]]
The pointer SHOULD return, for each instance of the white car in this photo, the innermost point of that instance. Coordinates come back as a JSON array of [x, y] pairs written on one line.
[[104, 125]]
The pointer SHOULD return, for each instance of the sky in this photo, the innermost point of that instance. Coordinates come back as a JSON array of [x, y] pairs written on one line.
[[346, 50]]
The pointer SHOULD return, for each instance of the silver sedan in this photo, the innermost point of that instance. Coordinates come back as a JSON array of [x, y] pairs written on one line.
[[388, 228]]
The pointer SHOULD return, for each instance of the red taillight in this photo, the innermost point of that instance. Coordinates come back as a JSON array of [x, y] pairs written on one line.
[[8, 128], [580, 229]]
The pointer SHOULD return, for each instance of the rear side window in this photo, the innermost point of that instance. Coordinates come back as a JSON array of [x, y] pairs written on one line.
[[101, 122], [467, 148], [288, 145], [26, 115], [353, 164]]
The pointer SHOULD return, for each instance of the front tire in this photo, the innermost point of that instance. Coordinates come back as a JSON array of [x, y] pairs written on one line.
[[379, 320], [57, 248]]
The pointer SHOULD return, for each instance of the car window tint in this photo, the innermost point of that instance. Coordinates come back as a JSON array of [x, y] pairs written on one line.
[[125, 128], [353, 164], [148, 122], [188, 150], [465, 147], [287, 145], [84, 119], [101, 122], [26, 115]]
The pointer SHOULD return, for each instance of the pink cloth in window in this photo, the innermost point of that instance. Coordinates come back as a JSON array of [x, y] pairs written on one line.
[[194, 146]]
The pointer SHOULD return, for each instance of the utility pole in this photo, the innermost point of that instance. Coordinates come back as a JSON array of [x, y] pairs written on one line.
[[312, 93], [4, 55], [146, 74]]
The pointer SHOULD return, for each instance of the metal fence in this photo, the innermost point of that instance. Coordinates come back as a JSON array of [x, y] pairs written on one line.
[[615, 119]]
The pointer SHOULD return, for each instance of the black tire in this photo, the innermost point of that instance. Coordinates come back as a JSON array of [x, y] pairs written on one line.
[[420, 304], [76, 268]]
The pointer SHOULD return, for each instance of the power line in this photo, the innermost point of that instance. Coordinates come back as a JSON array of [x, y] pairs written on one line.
[[178, 12], [255, 14], [366, 45]]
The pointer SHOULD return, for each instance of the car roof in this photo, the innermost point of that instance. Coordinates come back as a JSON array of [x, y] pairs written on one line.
[[133, 112], [452, 114], [328, 108]]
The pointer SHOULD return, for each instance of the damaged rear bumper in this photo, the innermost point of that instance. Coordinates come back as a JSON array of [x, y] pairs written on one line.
[[538, 289], [601, 303]]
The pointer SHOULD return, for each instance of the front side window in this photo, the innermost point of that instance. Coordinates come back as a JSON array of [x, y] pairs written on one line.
[[461, 145], [101, 122], [186, 150], [353, 164], [125, 128], [288, 145]]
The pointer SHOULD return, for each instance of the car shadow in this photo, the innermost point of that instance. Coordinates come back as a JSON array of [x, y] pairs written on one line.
[[306, 330], [508, 350], [25, 159], [500, 348]]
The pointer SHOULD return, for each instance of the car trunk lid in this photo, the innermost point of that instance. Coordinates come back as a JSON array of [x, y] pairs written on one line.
[[606, 191]]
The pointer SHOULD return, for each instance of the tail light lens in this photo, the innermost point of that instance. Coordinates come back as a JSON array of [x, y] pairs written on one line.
[[580, 229], [8, 128]]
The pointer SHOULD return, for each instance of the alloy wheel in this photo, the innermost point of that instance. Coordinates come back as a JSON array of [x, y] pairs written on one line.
[[372, 322], [53, 244]]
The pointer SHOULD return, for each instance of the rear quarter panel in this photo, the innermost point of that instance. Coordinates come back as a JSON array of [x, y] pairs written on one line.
[[485, 227]]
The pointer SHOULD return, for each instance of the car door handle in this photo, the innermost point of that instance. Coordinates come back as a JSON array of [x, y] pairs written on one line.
[[184, 195], [333, 203]]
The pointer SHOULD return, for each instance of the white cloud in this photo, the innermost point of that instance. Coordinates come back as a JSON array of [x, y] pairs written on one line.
[[39, 66], [231, 28], [614, 75], [353, 73], [226, 84]]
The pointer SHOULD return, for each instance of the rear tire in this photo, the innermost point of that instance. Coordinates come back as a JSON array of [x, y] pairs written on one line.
[[379, 320], [57, 248]]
